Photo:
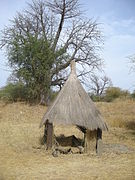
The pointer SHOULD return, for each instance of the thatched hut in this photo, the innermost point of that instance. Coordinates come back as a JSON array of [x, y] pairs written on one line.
[[73, 106]]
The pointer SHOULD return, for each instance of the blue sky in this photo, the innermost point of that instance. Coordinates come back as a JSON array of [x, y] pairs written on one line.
[[117, 18]]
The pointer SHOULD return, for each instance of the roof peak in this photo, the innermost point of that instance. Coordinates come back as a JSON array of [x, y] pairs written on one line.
[[74, 106], [73, 66]]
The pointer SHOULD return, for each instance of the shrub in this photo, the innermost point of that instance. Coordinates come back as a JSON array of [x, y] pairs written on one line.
[[115, 92], [13, 92], [95, 98]]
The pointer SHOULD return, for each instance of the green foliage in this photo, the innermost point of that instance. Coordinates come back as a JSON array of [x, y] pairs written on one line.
[[95, 98], [40, 45], [111, 94], [13, 92], [115, 92], [33, 60], [20, 92]]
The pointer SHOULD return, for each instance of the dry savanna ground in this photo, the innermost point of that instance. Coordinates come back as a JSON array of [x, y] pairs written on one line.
[[23, 157]]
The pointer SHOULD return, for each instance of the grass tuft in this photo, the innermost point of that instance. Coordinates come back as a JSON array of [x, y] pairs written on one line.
[[120, 113]]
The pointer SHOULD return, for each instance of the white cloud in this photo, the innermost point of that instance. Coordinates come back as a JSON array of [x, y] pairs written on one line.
[[119, 27]]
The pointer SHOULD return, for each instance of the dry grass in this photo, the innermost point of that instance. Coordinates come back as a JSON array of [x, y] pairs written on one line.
[[120, 113], [22, 156]]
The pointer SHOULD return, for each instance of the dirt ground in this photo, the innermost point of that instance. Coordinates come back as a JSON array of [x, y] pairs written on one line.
[[23, 157]]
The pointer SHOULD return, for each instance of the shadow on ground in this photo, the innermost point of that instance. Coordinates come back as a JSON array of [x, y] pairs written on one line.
[[69, 141], [130, 125]]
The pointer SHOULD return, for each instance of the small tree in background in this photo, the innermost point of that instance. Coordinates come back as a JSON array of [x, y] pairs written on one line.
[[99, 84], [13, 92], [114, 93]]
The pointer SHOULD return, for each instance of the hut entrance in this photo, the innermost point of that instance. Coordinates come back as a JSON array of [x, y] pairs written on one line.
[[53, 136], [83, 140]]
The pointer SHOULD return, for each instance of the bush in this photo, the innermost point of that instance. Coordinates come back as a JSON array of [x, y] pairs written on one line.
[[19, 92], [13, 92], [95, 98], [115, 92]]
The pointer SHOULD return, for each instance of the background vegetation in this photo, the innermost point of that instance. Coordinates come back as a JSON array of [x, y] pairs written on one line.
[[18, 92], [112, 93], [13, 92], [43, 39]]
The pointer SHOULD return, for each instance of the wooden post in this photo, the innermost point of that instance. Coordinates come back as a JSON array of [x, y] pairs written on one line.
[[49, 140], [45, 134], [90, 141], [99, 144]]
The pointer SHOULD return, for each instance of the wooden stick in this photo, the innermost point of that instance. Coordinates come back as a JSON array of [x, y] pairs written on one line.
[[49, 141]]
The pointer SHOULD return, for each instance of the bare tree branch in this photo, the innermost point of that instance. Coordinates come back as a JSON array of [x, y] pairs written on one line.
[[99, 84], [69, 36], [132, 63]]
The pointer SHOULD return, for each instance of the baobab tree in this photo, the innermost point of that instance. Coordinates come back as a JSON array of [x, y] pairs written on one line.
[[44, 38]]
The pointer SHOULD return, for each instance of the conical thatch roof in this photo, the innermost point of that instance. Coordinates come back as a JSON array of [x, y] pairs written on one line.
[[74, 106]]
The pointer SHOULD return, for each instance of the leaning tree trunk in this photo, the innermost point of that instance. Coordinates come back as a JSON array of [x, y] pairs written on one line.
[[44, 97]]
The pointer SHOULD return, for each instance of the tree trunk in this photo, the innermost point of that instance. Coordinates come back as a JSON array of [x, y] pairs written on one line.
[[45, 135], [42, 99]]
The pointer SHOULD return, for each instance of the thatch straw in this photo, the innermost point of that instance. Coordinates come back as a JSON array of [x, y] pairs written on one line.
[[73, 106]]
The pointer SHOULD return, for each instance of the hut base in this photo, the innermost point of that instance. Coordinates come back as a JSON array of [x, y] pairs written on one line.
[[48, 135], [99, 145], [90, 141]]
